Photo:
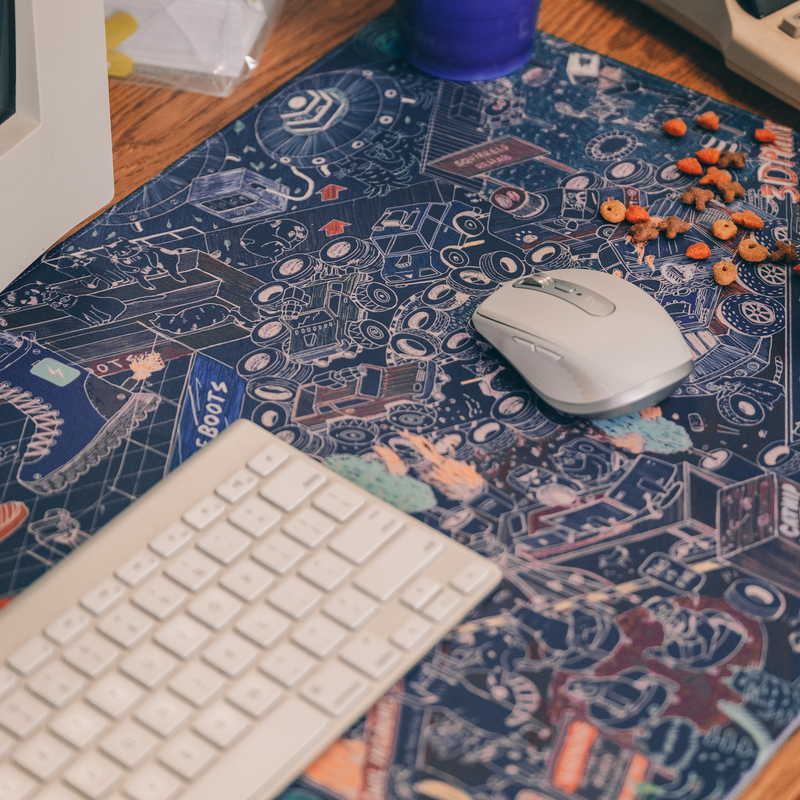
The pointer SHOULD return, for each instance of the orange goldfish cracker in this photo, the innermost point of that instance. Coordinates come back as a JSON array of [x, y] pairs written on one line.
[[749, 219], [674, 127], [708, 155], [691, 166], [724, 272], [763, 135], [636, 214], [709, 121], [698, 250]]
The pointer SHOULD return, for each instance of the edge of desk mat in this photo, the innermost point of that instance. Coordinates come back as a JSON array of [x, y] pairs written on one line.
[[644, 642]]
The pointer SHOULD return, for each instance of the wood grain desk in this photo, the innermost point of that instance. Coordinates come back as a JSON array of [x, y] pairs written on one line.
[[153, 127]]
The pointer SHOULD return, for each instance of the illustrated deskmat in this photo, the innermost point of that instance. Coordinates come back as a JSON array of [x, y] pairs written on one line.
[[314, 267]]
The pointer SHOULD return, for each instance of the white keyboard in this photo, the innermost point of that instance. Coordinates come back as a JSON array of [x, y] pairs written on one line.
[[220, 633]]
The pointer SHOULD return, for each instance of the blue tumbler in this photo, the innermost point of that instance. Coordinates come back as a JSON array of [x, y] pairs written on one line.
[[467, 40]]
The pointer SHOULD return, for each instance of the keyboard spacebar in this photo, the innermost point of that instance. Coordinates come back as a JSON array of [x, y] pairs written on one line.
[[252, 766]]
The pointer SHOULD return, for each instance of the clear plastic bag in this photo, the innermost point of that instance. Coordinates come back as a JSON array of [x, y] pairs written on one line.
[[207, 46]]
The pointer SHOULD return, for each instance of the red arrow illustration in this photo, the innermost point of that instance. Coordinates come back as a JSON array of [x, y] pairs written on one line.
[[331, 192], [334, 227]]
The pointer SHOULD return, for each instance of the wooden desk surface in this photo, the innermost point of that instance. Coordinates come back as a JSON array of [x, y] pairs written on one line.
[[153, 127]]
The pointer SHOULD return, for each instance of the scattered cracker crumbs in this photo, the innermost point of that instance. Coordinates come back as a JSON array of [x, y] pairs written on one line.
[[708, 155], [784, 252], [724, 272], [751, 250], [698, 251], [748, 219], [674, 127], [763, 135], [697, 197], [612, 210], [691, 166], [673, 226], [709, 121], [636, 214], [730, 159]]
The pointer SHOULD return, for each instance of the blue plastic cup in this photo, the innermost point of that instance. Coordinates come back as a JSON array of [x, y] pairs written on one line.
[[467, 40]]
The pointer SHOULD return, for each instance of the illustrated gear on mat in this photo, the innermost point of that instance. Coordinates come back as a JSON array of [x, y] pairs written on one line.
[[79, 418]]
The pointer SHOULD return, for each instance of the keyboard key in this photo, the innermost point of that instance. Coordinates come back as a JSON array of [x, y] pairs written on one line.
[[128, 744], [149, 665], [103, 597], [237, 486], [398, 563], [137, 568], [470, 578], [255, 517], [325, 570], [292, 485], [334, 688], [318, 635], [283, 736], [294, 597], [172, 540], [268, 459], [224, 543], [31, 655], [350, 607], [254, 695], [246, 580], [279, 553], [182, 636], [215, 607], [93, 775], [6, 744], [159, 597], [192, 570], [78, 726], [57, 684], [91, 654], [187, 756], [420, 592], [7, 681], [22, 714], [15, 785], [221, 724], [308, 527], [114, 695], [442, 605], [230, 654], [287, 664], [164, 713], [43, 756], [203, 513], [151, 782], [125, 626], [64, 628], [365, 534], [263, 625], [197, 683], [410, 632], [370, 654], [339, 501]]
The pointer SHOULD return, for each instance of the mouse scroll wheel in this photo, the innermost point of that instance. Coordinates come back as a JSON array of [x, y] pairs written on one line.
[[539, 280]]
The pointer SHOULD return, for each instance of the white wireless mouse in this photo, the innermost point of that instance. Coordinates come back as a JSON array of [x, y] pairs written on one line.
[[587, 342]]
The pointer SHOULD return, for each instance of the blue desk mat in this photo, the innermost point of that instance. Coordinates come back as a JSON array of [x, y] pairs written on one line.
[[314, 267]]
